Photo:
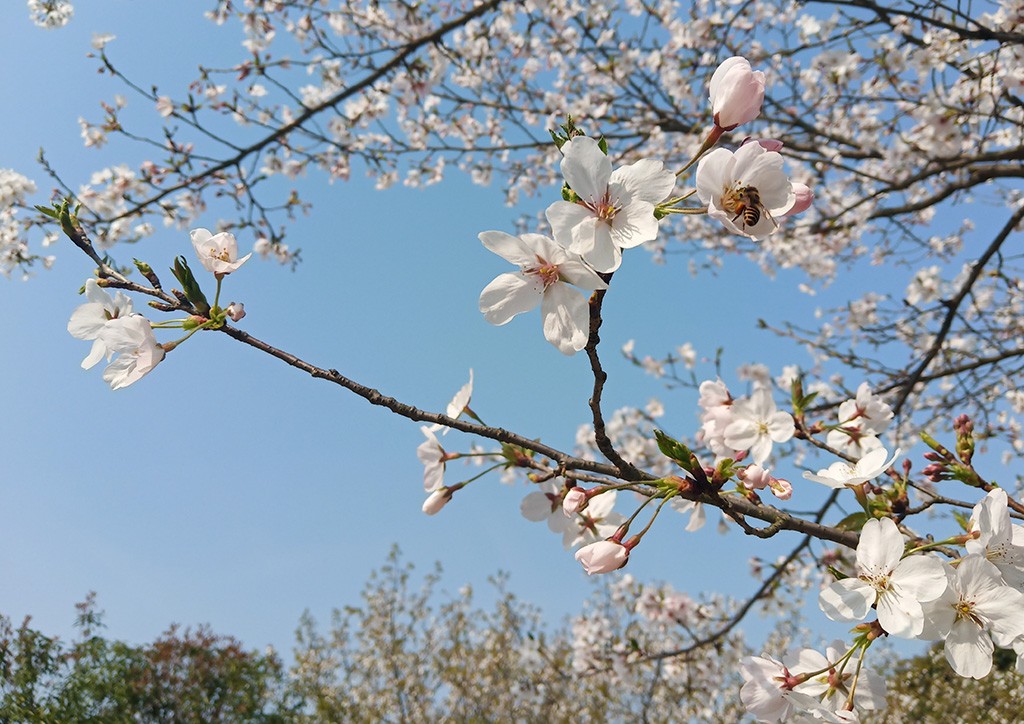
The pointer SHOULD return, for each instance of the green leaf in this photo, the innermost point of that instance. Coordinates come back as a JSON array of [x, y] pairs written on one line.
[[854, 521], [190, 286]]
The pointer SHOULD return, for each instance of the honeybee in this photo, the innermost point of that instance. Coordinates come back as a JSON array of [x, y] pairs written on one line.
[[745, 202]]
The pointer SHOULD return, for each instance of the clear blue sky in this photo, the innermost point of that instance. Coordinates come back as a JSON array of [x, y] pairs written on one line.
[[227, 488]]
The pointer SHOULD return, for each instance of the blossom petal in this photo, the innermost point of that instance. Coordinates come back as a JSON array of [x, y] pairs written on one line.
[[508, 247], [566, 316], [508, 295], [880, 547], [586, 168], [969, 650], [847, 600], [646, 179]]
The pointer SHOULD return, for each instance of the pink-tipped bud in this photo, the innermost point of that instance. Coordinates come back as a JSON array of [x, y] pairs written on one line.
[[736, 93], [755, 477], [574, 501]]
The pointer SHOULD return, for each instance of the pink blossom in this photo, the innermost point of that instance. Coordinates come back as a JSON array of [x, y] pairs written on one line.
[[574, 501]]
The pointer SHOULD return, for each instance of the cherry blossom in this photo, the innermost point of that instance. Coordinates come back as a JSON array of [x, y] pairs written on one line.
[[769, 690], [998, 541], [615, 210], [756, 424], [89, 320], [833, 688], [137, 350], [841, 474], [598, 520], [218, 253], [603, 556], [896, 587], [736, 93], [434, 458], [976, 613], [545, 504], [745, 190], [546, 271]]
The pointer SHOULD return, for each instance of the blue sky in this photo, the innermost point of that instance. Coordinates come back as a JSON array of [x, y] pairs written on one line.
[[227, 488]]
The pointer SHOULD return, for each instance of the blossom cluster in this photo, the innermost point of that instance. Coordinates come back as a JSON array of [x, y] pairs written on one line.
[[114, 328], [605, 211]]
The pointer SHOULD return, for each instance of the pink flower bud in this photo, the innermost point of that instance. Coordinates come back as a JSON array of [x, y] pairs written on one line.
[[736, 93], [604, 556], [235, 310], [574, 501], [436, 500], [802, 201], [755, 477]]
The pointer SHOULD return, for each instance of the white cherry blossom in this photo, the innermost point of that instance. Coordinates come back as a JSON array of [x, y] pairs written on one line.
[[999, 541], [976, 613], [89, 320], [137, 350], [434, 458], [896, 587], [756, 424], [546, 271], [841, 474], [615, 209], [746, 190], [218, 253]]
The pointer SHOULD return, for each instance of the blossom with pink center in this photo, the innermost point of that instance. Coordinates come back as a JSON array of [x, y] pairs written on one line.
[[545, 505], [998, 541], [769, 690], [894, 585], [736, 93], [597, 521], [218, 253], [834, 687], [746, 190], [603, 556], [615, 210], [975, 614], [546, 270], [757, 424]]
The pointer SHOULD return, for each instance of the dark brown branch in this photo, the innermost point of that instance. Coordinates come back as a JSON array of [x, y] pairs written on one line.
[[953, 305], [626, 470]]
